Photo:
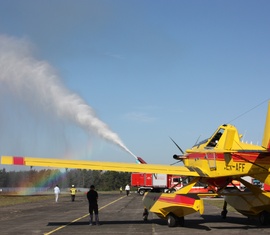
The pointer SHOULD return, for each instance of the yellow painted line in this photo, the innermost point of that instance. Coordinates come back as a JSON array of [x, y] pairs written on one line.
[[153, 225], [61, 227]]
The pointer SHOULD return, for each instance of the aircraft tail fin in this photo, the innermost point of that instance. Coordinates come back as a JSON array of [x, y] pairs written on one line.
[[266, 135]]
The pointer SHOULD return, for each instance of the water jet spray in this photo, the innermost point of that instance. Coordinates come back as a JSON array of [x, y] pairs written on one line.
[[23, 74]]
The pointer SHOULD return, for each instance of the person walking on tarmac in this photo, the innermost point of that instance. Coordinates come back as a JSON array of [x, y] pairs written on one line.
[[56, 192], [92, 197], [127, 188], [73, 191]]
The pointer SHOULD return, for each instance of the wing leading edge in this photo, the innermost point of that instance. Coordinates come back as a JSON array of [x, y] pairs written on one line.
[[96, 165]]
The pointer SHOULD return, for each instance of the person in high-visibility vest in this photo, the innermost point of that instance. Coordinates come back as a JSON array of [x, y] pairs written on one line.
[[73, 191]]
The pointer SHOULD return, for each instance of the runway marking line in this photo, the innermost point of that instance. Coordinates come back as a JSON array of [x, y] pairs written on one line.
[[63, 226]]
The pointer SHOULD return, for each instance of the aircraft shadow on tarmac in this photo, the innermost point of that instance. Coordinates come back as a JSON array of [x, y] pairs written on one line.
[[233, 222], [200, 223], [160, 222], [111, 222], [194, 225]]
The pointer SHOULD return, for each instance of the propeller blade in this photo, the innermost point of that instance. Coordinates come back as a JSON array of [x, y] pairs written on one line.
[[177, 146], [176, 162]]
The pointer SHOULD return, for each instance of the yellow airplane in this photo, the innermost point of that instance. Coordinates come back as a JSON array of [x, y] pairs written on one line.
[[217, 162]]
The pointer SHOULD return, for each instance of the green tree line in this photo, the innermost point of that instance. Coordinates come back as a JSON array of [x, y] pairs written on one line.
[[103, 180]]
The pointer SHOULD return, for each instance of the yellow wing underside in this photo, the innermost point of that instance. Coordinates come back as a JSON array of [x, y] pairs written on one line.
[[97, 165]]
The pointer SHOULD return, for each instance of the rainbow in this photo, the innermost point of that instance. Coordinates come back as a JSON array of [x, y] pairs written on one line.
[[46, 182], [41, 184]]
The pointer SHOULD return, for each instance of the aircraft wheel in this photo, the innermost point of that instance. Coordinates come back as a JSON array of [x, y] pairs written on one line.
[[145, 217], [172, 220], [264, 218], [181, 221], [224, 214]]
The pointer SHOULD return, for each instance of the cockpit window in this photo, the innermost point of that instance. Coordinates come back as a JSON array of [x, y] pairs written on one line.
[[213, 142]]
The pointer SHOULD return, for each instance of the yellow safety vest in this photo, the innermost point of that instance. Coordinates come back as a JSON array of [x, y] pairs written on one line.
[[73, 191]]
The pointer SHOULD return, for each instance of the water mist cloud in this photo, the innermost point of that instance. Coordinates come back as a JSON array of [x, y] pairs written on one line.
[[31, 79]]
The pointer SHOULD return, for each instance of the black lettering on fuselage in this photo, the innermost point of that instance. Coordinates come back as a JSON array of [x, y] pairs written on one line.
[[228, 168], [238, 167]]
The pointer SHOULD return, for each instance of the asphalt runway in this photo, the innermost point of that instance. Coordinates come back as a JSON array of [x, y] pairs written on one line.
[[119, 214]]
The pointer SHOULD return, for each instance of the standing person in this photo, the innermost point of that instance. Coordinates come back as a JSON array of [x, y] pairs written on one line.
[[56, 192], [127, 188], [73, 191], [92, 197], [121, 189]]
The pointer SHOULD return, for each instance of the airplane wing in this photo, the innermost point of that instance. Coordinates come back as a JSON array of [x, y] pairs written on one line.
[[97, 165]]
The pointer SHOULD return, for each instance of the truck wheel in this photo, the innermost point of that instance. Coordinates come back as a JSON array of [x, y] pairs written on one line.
[[172, 220], [141, 192]]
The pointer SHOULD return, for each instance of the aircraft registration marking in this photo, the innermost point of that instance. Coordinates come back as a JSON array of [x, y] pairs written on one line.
[[238, 167]]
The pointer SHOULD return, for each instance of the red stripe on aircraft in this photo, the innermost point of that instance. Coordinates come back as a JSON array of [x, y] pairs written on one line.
[[178, 199], [251, 156], [18, 161]]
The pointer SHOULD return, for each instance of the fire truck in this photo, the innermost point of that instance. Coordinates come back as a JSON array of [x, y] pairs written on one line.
[[155, 182], [165, 183]]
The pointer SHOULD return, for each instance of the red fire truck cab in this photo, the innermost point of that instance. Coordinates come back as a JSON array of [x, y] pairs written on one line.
[[155, 182]]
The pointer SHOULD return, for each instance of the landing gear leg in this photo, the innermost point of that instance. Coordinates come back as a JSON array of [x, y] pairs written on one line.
[[145, 214], [224, 212]]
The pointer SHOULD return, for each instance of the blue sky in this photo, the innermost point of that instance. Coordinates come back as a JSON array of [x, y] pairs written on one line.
[[150, 69]]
